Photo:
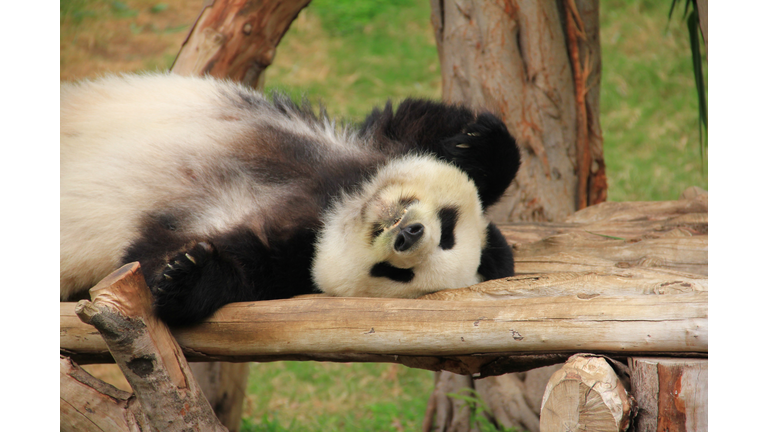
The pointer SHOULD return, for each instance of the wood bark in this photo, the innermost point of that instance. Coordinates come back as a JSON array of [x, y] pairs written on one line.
[[671, 394], [87, 404], [413, 331], [148, 355], [236, 39], [586, 394], [514, 58]]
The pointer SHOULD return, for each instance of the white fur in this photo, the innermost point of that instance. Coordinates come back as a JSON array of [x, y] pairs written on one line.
[[345, 255], [125, 144]]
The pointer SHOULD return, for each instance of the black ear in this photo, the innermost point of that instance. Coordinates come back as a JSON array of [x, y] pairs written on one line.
[[487, 152], [417, 125]]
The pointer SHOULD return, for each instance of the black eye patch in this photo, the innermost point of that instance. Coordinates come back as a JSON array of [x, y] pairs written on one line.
[[448, 217], [387, 270]]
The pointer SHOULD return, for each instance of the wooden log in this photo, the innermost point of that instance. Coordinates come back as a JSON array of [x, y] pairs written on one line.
[[417, 332], [671, 394], [586, 394], [631, 221], [608, 282], [148, 355], [236, 39], [87, 404]]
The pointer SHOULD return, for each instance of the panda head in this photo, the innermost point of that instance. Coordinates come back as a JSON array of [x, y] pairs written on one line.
[[416, 227]]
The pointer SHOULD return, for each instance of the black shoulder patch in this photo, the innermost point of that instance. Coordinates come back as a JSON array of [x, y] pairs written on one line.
[[387, 270], [448, 218]]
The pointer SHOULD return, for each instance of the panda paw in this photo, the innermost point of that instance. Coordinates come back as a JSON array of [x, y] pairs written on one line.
[[487, 153], [180, 291], [182, 266]]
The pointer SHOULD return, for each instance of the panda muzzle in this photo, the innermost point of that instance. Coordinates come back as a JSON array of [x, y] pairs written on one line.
[[408, 236]]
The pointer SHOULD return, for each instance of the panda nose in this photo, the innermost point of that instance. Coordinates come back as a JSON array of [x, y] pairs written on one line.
[[408, 236]]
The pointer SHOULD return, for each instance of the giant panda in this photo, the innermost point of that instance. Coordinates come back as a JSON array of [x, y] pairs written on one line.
[[225, 195]]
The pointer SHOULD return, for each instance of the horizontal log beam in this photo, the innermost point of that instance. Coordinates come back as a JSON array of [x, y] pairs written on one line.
[[421, 332]]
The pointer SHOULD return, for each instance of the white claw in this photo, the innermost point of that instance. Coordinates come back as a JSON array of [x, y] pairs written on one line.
[[169, 266], [167, 277], [189, 257], [473, 134], [462, 146]]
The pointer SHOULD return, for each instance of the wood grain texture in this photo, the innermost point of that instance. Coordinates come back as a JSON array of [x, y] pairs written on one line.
[[343, 328]]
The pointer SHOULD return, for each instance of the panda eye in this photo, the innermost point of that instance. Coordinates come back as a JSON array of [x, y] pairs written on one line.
[[448, 218], [376, 232]]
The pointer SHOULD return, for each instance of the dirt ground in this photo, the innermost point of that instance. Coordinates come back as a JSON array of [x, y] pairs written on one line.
[[100, 38]]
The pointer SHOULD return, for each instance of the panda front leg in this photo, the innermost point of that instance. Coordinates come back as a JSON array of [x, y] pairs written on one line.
[[197, 279], [196, 282]]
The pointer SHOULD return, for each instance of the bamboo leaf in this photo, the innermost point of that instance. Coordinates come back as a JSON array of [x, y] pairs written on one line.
[[698, 73]]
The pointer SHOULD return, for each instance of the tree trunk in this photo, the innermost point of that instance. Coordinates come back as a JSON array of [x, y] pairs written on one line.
[[224, 385], [536, 64], [671, 394], [236, 39]]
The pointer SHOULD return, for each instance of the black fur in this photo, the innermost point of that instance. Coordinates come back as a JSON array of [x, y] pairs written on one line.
[[480, 145], [448, 218], [496, 260], [243, 265], [387, 270]]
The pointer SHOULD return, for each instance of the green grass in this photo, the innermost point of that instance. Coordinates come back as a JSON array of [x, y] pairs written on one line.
[[331, 397], [648, 105], [355, 55]]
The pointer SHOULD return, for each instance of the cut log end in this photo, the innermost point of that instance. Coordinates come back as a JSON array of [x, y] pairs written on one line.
[[586, 394]]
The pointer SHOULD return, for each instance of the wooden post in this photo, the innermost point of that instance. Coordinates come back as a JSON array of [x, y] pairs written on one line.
[[148, 355], [671, 394], [586, 394]]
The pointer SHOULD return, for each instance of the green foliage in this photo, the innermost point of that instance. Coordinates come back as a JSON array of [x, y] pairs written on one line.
[[694, 31]]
